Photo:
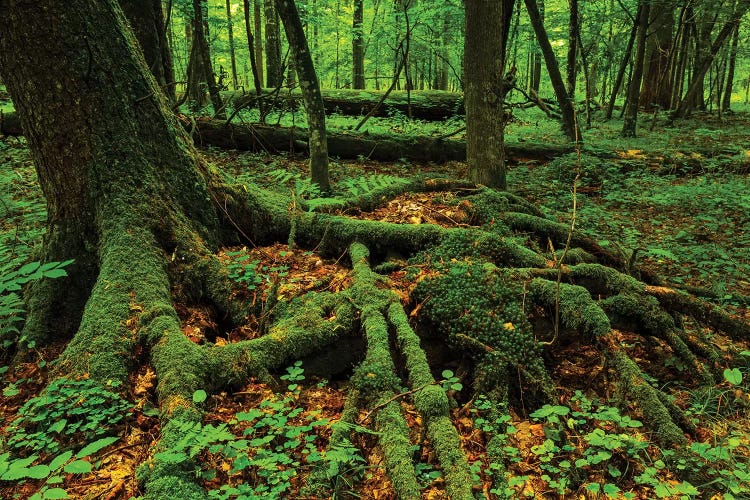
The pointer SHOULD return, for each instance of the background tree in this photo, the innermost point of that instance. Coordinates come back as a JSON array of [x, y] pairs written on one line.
[[487, 26], [634, 87], [316, 117], [358, 48], [274, 71]]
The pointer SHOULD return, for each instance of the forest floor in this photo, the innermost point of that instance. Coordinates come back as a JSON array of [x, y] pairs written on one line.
[[682, 215]]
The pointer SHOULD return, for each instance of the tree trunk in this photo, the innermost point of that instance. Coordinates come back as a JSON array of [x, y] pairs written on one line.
[[230, 34], [274, 71], [573, 35], [147, 20], [202, 50], [569, 123], [483, 90], [358, 47], [535, 63], [656, 90], [623, 66], [696, 84], [258, 38], [316, 116], [257, 78], [634, 87], [727, 101]]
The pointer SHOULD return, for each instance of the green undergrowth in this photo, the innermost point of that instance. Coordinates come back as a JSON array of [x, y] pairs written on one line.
[[266, 451], [59, 433], [694, 229]]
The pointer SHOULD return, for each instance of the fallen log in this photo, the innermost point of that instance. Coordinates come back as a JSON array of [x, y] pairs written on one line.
[[429, 105], [272, 139], [352, 146]]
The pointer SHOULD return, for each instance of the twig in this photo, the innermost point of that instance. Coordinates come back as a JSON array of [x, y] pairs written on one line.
[[394, 398]]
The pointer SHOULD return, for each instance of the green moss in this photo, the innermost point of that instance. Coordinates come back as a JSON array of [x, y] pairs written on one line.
[[631, 381], [578, 311], [394, 439]]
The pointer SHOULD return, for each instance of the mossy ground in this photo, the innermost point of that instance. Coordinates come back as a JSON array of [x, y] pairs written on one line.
[[313, 292]]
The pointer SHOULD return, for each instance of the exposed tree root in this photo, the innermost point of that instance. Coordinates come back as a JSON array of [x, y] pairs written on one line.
[[477, 291]]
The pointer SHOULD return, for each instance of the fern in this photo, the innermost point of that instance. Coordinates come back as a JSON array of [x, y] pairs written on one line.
[[360, 186]]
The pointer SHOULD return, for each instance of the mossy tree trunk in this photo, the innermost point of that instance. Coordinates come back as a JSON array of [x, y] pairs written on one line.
[[202, 48], [311, 96], [484, 94], [274, 76], [358, 46]]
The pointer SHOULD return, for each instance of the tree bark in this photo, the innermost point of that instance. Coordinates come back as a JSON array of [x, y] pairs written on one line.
[[257, 78], [274, 73], [358, 47], [230, 34], [147, 20], [727, 101], [570, 125], [634, 88], [203, 51], [573, 35], [258, 37], [656, 90], [484, 93], [316, 116]]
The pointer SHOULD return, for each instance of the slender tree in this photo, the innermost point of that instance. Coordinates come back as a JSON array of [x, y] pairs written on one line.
[[634, 87], [570, 126], [573, 35], [274, 71], [202, 52], [313, 100], [358, 47], [726, 103], [258, 23], [230, 34]]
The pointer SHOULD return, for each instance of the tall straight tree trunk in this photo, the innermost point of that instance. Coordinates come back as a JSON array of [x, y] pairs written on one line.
[[620, 77], [257, 79], [200, 42], [358, 47], [230, 33], [702, 67], [258, 22], [570, 127], [535, 78], [313, 100], [274, 72], [634, 88], [727, 101], [147, 20], [656, 88], [573, 30], [484, 52]]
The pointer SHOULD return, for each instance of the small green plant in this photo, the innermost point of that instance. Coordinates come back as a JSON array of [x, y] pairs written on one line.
[[11, 303], [243, 270], [265, 446], [66, 413], [451, 382], [21, 469]]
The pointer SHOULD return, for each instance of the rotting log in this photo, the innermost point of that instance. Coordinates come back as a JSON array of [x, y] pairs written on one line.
[[433, 105], [352, 146], [258, 137]]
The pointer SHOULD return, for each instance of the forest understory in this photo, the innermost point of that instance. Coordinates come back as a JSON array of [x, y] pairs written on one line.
[[451, 356]]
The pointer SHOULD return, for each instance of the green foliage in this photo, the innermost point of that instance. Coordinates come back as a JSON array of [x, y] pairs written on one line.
[[66, 413], [52, 473], [358, 186], [264, 446], [11, 304]]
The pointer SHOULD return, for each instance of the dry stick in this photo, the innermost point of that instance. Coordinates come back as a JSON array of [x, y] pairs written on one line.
[[570, 235], [394, 398]]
